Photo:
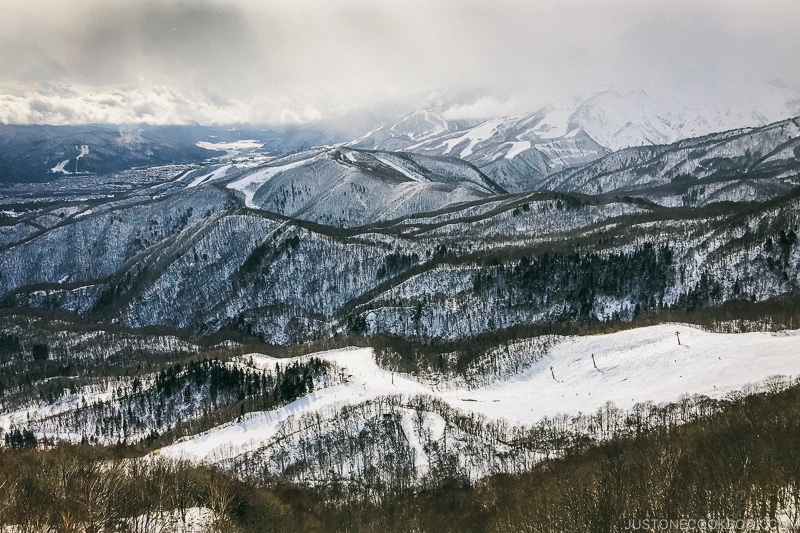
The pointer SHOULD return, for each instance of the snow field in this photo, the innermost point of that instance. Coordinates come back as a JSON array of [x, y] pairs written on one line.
[[639, 365], [211, 176], [250, 184], [645, 364], [233, 146]]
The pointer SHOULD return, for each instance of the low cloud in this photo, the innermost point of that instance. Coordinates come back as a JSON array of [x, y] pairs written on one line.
[[41, 104], [66, 61]]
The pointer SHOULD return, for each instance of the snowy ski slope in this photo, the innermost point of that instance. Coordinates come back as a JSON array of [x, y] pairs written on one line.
[[645, 364]]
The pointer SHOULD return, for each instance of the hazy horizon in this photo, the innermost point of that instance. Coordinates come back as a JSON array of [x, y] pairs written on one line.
[[225, 62]]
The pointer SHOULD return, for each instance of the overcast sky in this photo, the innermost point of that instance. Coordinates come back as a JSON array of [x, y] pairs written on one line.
[[271, 61]]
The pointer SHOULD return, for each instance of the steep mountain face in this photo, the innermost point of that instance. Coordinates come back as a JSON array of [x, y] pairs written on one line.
[[345, 187], [42, 153], [344, 241], [738, 165], [618, 122], [515, 151], [519, 151], [625, 119], [408, 130]]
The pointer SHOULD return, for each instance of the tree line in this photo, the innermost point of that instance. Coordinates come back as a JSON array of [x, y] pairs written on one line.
[[182, 399], [737, 463]]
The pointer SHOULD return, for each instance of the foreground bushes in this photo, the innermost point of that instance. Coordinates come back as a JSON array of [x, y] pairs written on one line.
[[85, 488], [739, 463]]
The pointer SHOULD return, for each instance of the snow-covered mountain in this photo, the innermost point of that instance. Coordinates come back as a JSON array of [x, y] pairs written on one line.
[[345, 187], [513, 151], [626, 118], [470, 296], [744, 164], [518, 151], [369, 242], [408, 130]]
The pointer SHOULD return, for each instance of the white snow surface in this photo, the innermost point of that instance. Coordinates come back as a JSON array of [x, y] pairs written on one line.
[[517, 148], [415, 176], [249, 184], [474, 136], [233, 146], [61, 167], [198, 520], [367, 381], [211, 176], [645, 364]]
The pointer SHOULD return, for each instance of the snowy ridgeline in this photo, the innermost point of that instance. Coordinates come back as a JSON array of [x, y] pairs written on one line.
[[519, 152], [382, 432], [190, 258], [346, 188], [767, 152], [66, 345]]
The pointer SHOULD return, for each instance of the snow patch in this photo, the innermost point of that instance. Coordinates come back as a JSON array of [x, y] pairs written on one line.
[[233, 146], [404, 171], [61, 167], [517, 148], [211, 176], [250, 184], [474, 136], [646, 364]]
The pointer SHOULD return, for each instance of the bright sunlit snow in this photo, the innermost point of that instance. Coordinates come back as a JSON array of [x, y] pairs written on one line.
[[252, 182], [232, 147], [645, 364], [61, 167], [211, 176], [517, 148], [405, 172], [474, 136]]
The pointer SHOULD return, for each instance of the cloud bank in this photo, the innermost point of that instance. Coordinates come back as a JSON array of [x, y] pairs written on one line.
[[270, 61]]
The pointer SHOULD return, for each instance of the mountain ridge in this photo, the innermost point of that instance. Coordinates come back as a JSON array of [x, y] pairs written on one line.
[[518, 151]]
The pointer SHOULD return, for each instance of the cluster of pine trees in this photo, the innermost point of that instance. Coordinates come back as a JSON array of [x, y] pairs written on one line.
[[576, 282], [20, 438], [45, 356], [395, 263], [184, 398]]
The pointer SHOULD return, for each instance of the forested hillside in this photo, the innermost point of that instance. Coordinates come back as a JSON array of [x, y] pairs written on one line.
[[341, 338], [737, 464]]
